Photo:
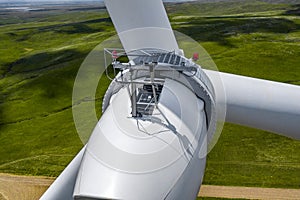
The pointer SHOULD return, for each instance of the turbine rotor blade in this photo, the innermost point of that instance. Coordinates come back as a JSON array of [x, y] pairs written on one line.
[[262, 104], [63, 187], [142, 24]]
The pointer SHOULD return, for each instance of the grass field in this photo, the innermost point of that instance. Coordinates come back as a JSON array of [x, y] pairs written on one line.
[[41, 52]]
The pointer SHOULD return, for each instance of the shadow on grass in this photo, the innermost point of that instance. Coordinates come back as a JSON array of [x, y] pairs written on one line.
[[43, 85], [42, 61], [2, 100], [56, 87], [88, 26], [219, 29], [88, 8], [45, 79], [294, 11], [1, 119]]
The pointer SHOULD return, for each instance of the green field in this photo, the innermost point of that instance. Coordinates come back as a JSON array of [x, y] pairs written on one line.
[[41, 52]]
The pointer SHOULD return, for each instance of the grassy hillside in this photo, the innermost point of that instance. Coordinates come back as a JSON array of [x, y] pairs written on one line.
[[39, 62], [258, 41], [41, 52], [258, 44]]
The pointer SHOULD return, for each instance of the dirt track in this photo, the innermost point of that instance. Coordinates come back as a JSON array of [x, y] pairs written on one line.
[[249, 192], [21, 187], [29, 188]]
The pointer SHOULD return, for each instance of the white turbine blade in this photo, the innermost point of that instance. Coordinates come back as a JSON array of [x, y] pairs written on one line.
[[262, 104], [63, 187], [142, 24]]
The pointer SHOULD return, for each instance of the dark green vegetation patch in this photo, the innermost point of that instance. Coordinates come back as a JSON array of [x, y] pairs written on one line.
[[41, 52]]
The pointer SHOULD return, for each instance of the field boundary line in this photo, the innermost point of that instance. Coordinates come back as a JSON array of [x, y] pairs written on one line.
[[32, 158]]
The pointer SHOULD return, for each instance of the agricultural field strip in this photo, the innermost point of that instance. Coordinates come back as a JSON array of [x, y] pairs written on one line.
[[234, 192], [37, 185]]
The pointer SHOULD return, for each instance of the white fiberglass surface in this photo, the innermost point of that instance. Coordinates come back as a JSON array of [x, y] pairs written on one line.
[[150, 144], [123, 157]]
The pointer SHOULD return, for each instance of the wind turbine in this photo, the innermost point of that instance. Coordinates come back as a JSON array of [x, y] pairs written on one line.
[[160, 114]]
